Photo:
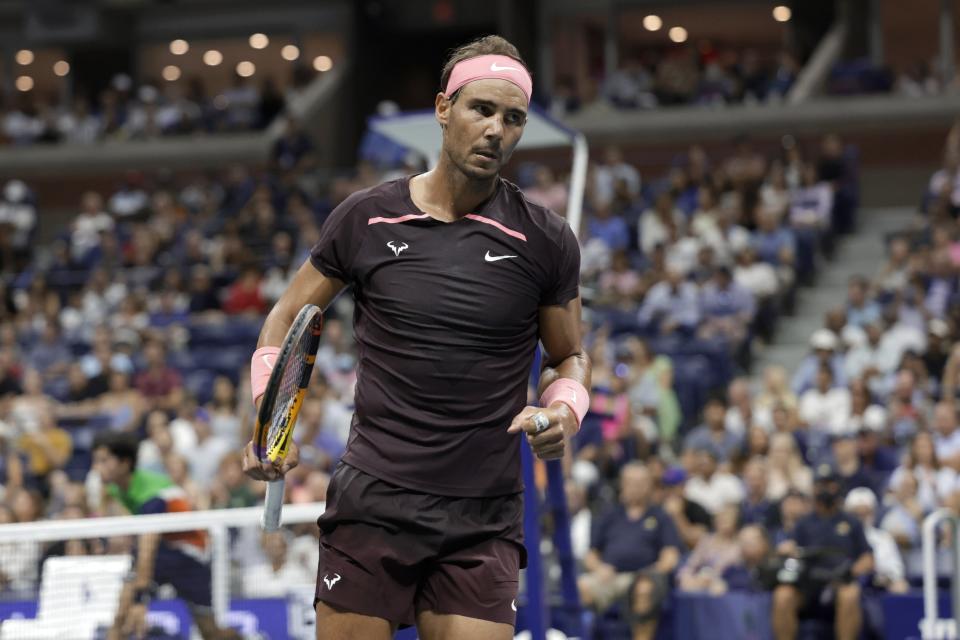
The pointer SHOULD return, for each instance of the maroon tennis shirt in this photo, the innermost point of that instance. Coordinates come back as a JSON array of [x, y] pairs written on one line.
[[446, 322]]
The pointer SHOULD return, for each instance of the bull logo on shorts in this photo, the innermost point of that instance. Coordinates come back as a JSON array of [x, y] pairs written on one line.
[[331, 581]]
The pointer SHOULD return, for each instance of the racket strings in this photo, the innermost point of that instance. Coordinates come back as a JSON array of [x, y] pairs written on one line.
[[289, 386]]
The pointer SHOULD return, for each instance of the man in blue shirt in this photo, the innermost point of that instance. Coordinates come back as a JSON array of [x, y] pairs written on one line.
[[843, 551], [633, 550], [728, 308], [672, 305]]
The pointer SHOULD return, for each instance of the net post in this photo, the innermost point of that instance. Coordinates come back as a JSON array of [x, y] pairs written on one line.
[[220, 573]]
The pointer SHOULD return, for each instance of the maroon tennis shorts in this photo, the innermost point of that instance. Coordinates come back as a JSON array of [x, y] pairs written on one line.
[[389, 552]]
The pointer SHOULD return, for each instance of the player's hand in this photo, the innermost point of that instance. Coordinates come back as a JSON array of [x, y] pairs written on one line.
[[550, 443], [269, 470], [135, 622]]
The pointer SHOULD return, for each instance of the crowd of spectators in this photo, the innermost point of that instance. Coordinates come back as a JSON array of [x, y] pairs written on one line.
[[851, 450], [698, 74], [141, 316], [125, 110]]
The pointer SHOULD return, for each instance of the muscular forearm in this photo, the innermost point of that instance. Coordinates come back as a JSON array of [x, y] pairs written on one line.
[[862, 566], [146, 557], [575, 366]]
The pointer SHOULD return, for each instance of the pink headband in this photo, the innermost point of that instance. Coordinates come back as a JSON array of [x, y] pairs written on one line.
[[490, 67]]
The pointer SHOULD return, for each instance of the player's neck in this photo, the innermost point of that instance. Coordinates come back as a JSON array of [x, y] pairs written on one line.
[[447, 194]]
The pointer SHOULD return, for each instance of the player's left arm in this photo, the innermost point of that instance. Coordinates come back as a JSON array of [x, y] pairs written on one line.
[[566, 364]]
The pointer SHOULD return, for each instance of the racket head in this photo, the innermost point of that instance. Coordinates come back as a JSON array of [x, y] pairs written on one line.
[[287, 386]]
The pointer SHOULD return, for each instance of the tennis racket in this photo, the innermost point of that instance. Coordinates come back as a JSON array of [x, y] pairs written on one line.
[[281, 402]]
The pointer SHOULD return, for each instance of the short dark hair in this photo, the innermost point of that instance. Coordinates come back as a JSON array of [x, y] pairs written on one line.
[[121, 445], [485, 46]]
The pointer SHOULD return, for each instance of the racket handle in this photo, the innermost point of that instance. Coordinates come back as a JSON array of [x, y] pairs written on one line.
[[272, 505]]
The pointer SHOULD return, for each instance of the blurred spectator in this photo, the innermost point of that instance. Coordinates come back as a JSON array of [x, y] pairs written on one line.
[[709, 486], [713, 435], [823, 344], [713, 555], [692, 520], [786, 469], [205, 457], [160, 384], [632, 550], [728, 308], [888, 572], [90, 222], [277, 575], [747, 574], [826, 407], [756, 507], [581, 521], [671, 306], [244, 296]]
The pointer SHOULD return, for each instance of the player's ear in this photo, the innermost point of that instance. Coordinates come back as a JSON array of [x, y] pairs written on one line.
[[442, 106]]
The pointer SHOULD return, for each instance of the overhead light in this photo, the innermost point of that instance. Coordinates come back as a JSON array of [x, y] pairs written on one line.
[[179, 47], [61, 68], [24, 83], [323, 63], [24, 57], [171, 72], [678, 34], [290, 52], [212, 57], [782, 13], [246, 69], [652, 23], [259, 41]]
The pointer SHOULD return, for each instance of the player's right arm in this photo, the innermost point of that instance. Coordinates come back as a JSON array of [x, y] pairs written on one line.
[[308, 286]]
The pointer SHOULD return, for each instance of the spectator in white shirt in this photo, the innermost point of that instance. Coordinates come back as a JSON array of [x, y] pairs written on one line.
[[277, 575], [709, 487], [888, 570], [580, 519], [947, 436], [935, 481], [90, 222], [825, 407], [614, 168]]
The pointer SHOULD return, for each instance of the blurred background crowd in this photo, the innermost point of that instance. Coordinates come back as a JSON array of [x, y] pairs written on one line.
[[135, 306]]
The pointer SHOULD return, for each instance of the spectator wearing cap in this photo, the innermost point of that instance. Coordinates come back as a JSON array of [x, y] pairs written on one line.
[[713, 432], [851, 558], [756, 507], [728, 308], [823, 344], [671, 306], [710, 486], [889, 572], [825, 407], [692, 520], [633, 549], [876, 459]]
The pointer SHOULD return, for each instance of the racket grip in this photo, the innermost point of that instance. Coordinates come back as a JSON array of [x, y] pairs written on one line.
[[272, 505]]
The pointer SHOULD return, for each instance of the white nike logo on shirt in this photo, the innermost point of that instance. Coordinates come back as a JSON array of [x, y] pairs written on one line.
[[496, 67], [490, 258]]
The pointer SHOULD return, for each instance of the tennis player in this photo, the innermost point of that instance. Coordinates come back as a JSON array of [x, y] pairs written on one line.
[[178, 559], [456, 277]]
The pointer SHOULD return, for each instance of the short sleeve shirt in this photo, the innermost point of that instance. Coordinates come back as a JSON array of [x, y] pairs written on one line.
[[632, 545], [446, 323]]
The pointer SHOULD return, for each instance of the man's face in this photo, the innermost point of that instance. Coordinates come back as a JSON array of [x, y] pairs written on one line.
[[482, 127], [110, 468], [635, 485]]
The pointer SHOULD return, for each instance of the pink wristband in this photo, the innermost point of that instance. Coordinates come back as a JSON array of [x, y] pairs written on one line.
[[569, 392], [261, 366]]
